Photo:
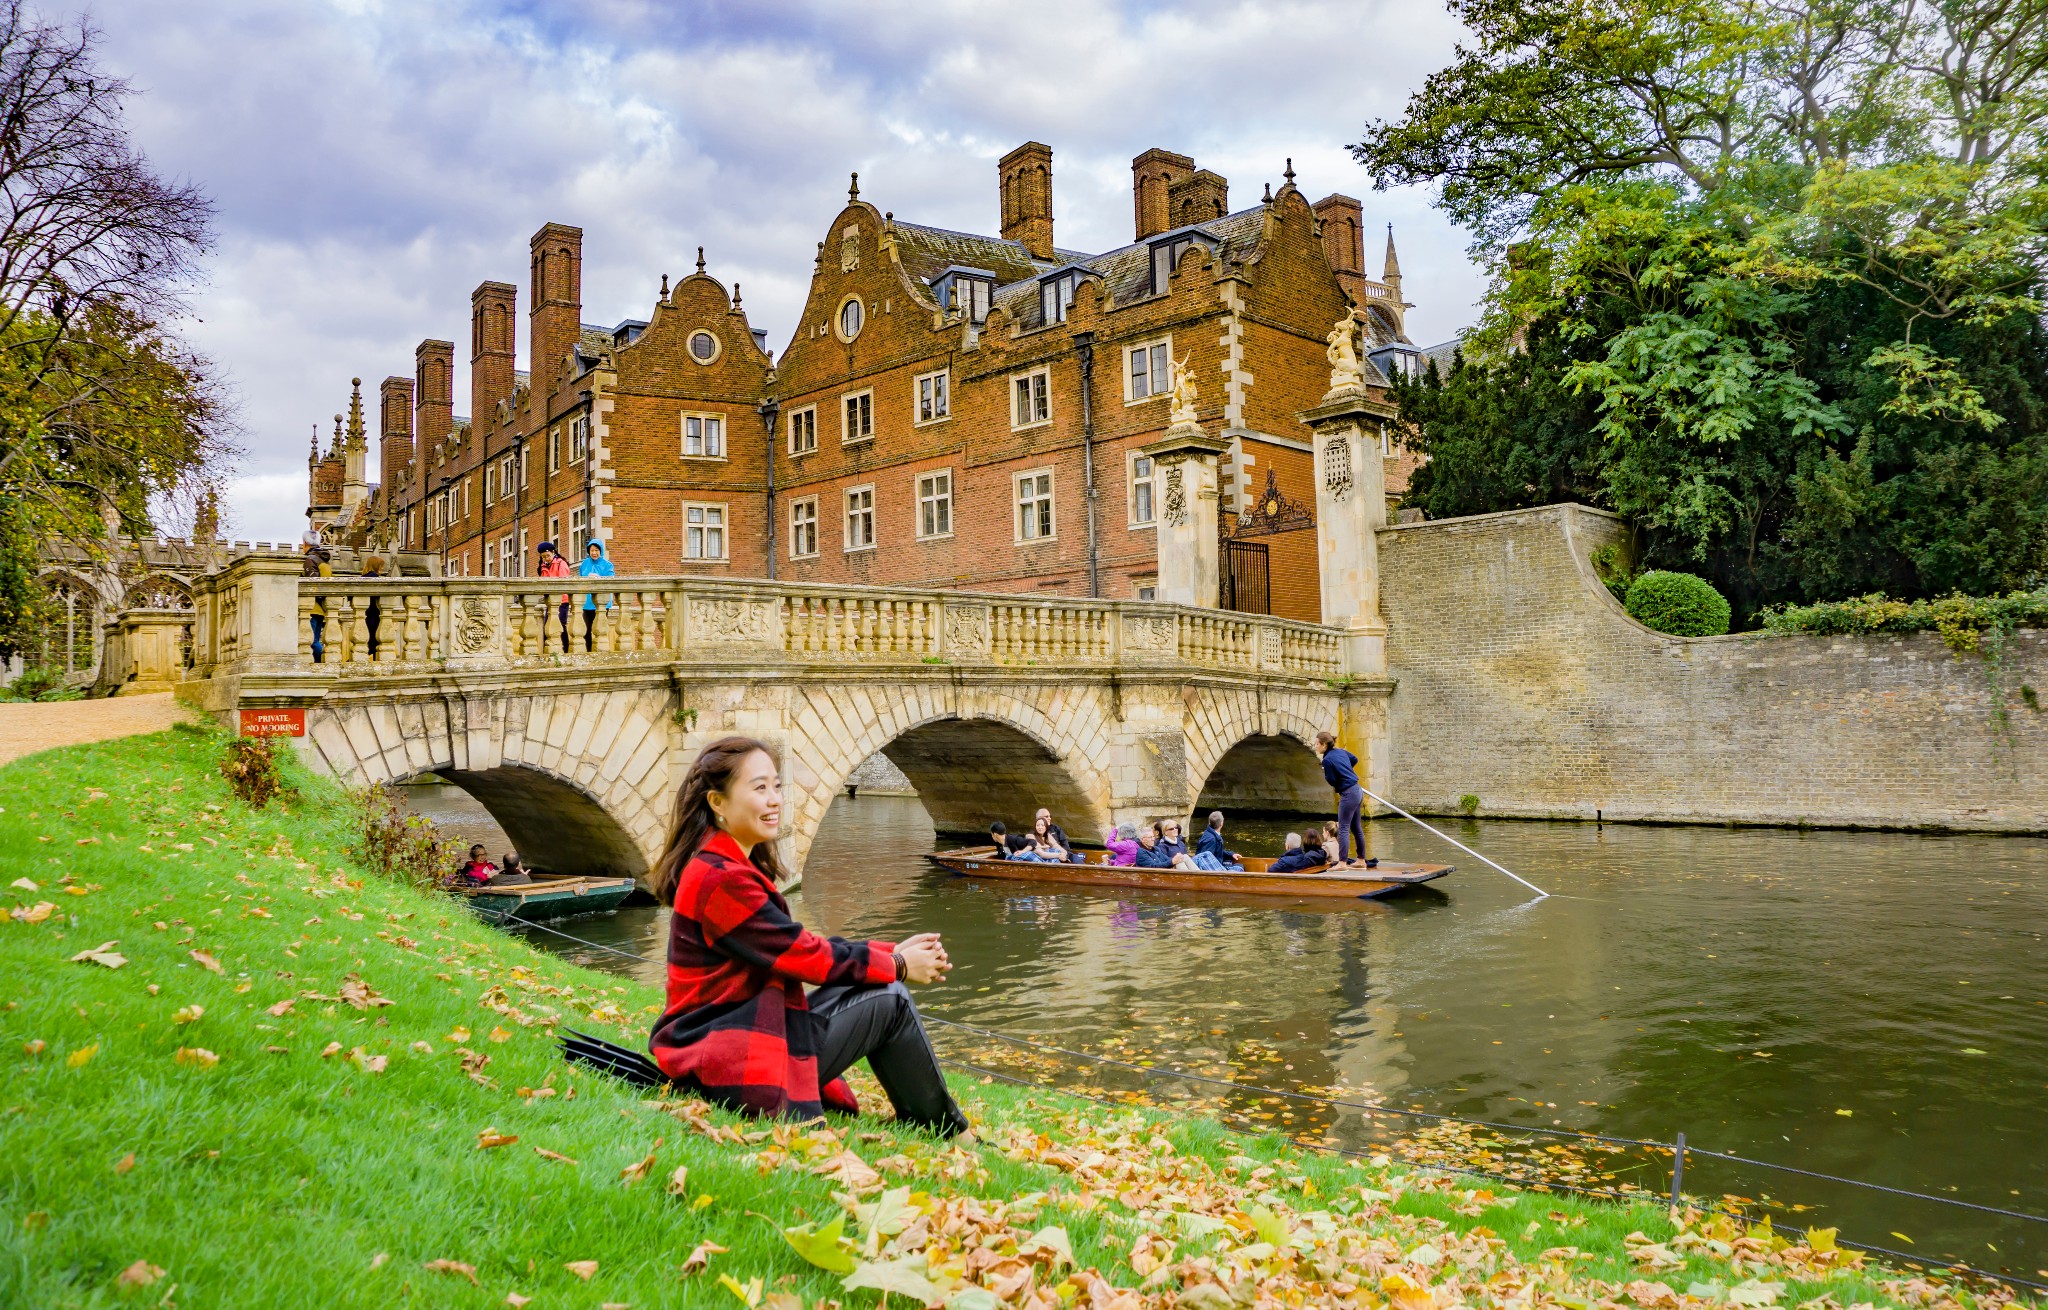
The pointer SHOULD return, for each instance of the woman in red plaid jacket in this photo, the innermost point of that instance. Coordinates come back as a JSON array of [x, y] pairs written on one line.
[[739, 1026]]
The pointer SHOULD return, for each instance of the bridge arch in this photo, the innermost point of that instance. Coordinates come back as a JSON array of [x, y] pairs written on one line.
[[577, 780], [1257, 754], [972, 754]]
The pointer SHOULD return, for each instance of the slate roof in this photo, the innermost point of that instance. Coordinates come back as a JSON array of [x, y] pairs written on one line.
[[929, 251], [1442, 354], [1126, 271]]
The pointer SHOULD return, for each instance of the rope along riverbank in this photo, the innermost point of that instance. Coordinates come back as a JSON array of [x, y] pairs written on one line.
[[1679, 1151]]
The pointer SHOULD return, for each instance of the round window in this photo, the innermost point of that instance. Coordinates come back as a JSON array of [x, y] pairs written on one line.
[[849, 319], [703, 347]]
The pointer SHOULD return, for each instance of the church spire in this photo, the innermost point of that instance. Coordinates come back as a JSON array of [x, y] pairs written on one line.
[[356, 436], [1391, 273]]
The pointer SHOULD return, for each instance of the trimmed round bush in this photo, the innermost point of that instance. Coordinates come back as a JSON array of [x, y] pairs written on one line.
[[1677, 603]]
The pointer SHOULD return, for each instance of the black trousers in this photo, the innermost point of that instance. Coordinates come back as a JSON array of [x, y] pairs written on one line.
[[878, 1022]]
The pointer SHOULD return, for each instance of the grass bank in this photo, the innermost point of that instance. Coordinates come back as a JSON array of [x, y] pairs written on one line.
[[236, 1070]]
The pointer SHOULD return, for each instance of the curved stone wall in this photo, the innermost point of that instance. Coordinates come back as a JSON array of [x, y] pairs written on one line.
[[1519, 680]]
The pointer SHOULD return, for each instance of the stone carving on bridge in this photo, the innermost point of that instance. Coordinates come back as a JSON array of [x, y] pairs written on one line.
[[1151, 634], [967, 629], [475, 621], [1176, 509], [730, 619], [1337, 467]]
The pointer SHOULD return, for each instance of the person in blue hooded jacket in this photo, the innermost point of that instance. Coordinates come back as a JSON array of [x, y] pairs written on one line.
[[595, 564]]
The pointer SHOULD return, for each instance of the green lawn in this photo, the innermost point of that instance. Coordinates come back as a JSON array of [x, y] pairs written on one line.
[[277, 1099]]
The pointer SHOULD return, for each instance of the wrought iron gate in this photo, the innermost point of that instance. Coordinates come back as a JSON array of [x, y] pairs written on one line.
[[1246, 584]]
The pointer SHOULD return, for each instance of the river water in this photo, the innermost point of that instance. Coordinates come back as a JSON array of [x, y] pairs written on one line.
[[1861, 1004]]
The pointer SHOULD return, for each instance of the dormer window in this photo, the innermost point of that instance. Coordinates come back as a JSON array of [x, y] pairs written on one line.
[[1166, 255], [965, 291], [1399, 361], [1056, 297]]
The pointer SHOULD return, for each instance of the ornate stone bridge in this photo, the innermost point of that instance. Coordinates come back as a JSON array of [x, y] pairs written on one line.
[[991, 704]]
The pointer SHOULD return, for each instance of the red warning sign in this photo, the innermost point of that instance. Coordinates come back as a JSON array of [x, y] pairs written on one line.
[[273, 723]]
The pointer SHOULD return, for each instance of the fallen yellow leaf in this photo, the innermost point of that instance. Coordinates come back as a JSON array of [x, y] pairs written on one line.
[[583, 1269], [35, 1047], [104, 954], [189, 1014], [545, 1154], [515, 1300], [458, 1036], [500, 1035], [78, 1058], [332, 1048], [206, 961], [700, 1259], [281, 1009], [367, 1062], [197, 1056], [36, 913], [453, 1267], [140, 1274], [25, 884], [125, 1163], [679, 1181], [491, 1137], [634, 1172]]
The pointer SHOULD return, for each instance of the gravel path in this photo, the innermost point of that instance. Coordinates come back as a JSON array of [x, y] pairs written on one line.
[[41, 727]]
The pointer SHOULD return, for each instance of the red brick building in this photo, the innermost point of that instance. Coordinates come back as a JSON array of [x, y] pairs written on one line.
[[952, 410]]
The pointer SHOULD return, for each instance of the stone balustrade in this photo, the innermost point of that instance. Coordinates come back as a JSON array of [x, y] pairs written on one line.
[[257, 614]]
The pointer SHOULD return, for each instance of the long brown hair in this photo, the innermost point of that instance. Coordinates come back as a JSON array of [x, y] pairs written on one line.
[[694, 821]]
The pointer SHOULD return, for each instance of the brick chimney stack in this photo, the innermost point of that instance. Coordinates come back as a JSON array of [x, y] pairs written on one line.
[[1152, 173], [1197, 198], [433, 366], [1344, 242], [557, 314], [491, 307], [1025, 177], [394, 433]]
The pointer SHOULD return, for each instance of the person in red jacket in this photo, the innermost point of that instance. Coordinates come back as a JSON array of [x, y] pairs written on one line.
[[553, 565], [739, 1025]]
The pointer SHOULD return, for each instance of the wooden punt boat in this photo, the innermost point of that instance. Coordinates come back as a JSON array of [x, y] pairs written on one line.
[[548, 897], [1390, 878]]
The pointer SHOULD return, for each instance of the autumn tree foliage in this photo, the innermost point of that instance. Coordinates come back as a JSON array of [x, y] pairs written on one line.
[[106, 417], [1767, 278]]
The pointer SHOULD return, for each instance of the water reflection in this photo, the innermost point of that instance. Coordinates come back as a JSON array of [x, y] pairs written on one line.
[[1745, 986]]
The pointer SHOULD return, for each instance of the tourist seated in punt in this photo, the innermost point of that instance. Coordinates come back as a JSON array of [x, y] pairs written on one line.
[[1210, 853], [1151, 852], [1050, 837], [1122, 844], [999, 836], [1024, 846], [1170, 841], [1301, 856], [477, 870], [762, 1014], [511, 873]]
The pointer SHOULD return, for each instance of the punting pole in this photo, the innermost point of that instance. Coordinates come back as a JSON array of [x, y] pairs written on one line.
[[1460, 845]]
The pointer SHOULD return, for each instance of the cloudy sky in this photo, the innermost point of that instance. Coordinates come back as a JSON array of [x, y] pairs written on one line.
[[373, 160]]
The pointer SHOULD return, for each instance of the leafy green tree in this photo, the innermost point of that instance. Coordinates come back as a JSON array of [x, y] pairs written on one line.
[[1791, 251], [105, 417]]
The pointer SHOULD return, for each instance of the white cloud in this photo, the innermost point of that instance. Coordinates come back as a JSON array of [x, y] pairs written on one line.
[[374, 161]]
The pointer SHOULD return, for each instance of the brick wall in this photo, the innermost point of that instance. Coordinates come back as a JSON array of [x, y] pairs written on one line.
[[1520, 681]]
